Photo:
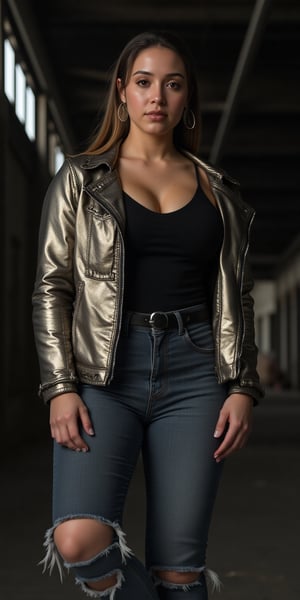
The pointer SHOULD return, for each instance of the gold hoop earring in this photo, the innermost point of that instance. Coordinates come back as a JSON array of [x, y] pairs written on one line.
[[122, 112], [188, 118]]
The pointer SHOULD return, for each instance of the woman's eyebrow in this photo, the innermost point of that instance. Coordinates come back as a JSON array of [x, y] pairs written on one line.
[[142, 72]]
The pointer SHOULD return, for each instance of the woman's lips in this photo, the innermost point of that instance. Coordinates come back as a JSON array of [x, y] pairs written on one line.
[[156, 116]]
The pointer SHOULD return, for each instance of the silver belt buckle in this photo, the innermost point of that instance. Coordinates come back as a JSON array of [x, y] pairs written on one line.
[[159, 320]]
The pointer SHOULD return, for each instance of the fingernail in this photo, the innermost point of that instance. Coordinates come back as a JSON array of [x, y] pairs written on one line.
[[91, 432], [217, 433], [84, 449]]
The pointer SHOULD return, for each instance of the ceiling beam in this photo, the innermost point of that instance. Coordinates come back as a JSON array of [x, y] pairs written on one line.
[[250, 45], [176, 12]]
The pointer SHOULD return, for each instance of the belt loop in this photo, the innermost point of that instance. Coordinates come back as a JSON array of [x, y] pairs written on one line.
[[179, 321]]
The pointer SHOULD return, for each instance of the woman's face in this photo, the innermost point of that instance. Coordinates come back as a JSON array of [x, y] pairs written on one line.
[[156, 92]]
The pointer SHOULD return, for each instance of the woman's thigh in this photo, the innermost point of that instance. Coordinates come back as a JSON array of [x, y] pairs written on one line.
[[95, 483], [181, 474]]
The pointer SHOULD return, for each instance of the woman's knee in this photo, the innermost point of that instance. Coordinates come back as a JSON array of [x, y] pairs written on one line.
[[178, 577], [79, 539]]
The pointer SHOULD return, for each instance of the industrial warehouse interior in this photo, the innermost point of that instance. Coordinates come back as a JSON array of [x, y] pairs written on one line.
[[55, 67]]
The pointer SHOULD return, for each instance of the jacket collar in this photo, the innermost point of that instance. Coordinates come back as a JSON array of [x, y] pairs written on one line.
[[92, 161], [106, 187]]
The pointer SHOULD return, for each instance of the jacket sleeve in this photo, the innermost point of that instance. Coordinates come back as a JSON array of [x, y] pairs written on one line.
[[54, 292], [248, 381]]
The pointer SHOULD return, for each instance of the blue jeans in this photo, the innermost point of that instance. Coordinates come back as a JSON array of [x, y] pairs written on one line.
[[163, 402]]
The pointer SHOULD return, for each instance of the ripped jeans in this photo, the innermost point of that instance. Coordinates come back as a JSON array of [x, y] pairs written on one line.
[[164, 403]]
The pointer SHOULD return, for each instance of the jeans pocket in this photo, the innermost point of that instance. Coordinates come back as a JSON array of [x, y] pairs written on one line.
[[199, 337]]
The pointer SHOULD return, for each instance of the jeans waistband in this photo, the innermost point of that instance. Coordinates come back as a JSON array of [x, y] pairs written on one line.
[[167, 320]]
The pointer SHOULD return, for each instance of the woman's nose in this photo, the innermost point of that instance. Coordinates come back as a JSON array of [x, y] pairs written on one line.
[[158, 95]]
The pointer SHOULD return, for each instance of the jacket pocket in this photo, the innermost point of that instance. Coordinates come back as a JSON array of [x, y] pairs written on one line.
[[100, 245]]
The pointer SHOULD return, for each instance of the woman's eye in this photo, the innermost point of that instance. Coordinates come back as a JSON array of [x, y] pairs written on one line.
[[174, 85], [142, 82]]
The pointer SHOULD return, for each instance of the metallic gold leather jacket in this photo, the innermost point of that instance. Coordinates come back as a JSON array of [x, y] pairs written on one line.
[[78, 292]]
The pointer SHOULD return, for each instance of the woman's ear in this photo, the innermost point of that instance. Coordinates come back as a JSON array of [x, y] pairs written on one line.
[[121, 90]]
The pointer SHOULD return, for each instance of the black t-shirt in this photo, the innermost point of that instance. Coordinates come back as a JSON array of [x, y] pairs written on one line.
[[169, 257]]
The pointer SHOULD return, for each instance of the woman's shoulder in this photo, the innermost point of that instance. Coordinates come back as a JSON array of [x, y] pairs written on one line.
[[81, 169], [218, 179], [93, 160], [213, 172]]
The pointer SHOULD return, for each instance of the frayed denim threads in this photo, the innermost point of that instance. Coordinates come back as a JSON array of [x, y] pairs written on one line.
[[106, 563]]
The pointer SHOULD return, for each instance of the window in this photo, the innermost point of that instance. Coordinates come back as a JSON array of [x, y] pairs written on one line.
[[9, 71], [31, 107], [30, 119], [18, 90], [56, 154], [59, 158], [20, 93]]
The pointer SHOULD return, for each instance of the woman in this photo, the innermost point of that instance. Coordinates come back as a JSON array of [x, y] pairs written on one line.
[[144, 328]]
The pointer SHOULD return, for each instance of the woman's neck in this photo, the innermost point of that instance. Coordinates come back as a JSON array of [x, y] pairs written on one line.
[[148, 148]]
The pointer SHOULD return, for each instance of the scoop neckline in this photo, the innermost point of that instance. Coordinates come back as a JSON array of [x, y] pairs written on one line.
[[161, 214]]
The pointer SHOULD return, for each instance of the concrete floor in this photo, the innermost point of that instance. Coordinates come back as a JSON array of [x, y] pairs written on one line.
[[254, 539]]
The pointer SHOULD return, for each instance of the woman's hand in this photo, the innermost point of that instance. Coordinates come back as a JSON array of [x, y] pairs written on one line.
[[236, 418], [66, 413]]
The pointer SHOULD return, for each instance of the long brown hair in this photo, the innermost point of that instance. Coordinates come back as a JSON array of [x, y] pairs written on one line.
[[112, 130]]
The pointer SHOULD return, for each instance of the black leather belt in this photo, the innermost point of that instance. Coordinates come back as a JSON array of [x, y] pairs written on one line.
[[167, 320]]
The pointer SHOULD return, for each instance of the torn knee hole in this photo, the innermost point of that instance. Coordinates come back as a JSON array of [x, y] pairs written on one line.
[[178, 577], [79, 539], [185, 578], [106, 586], [104, 583], [101, 575], [114, 553]]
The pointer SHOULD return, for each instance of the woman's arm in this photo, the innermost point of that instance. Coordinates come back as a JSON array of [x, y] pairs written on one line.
[[235, 421], [54, 289], [247, 381], [236, 415]]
